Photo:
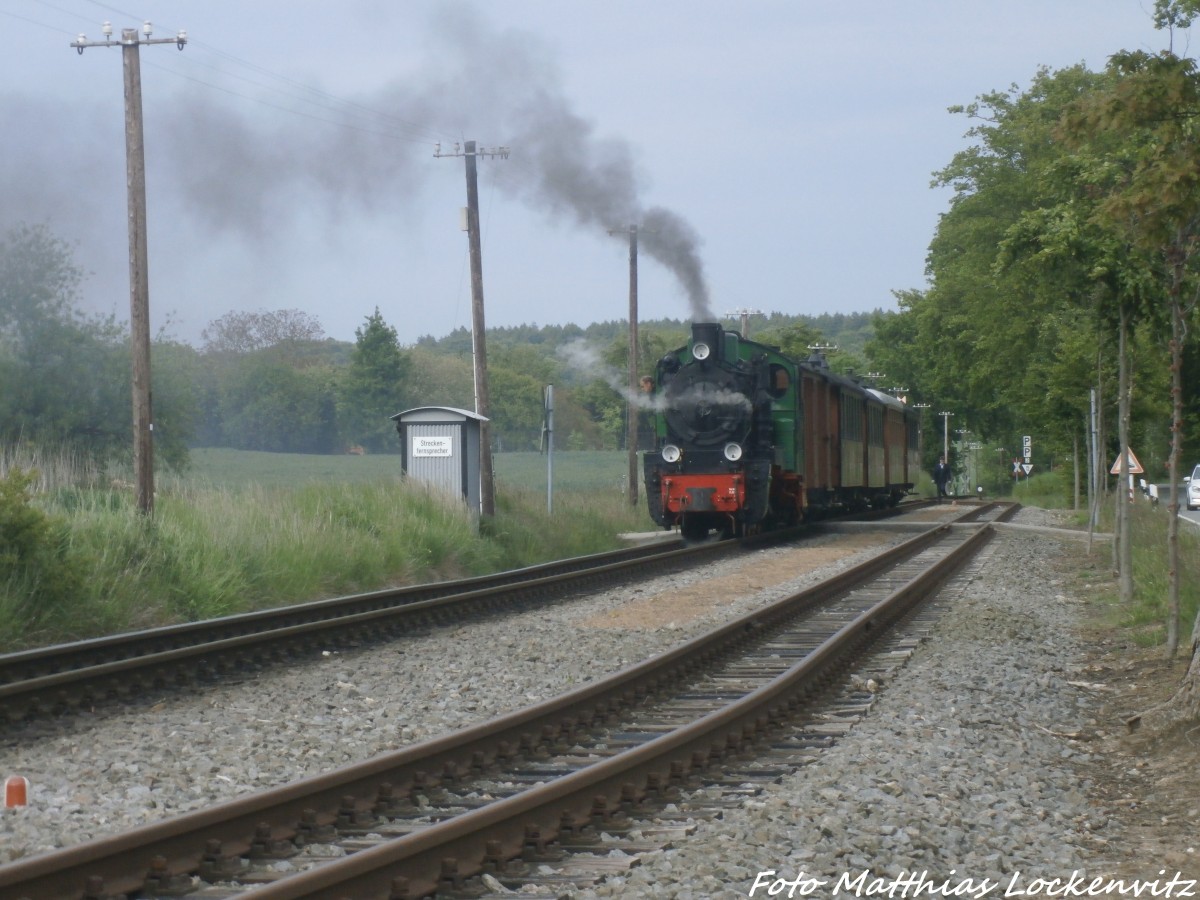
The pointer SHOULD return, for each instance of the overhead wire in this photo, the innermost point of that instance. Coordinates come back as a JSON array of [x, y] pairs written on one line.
[[511, 177], [287, 109], [285, 86], [349, 114]]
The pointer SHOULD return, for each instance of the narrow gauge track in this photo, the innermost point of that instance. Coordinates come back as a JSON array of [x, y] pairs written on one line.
[[990, 511], [427, 816], [49, 680], [28, 664]]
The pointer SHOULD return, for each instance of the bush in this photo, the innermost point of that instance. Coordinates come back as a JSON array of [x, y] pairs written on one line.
[[39, 577]]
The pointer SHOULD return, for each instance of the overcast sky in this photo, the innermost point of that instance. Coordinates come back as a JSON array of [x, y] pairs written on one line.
[[777, 153]]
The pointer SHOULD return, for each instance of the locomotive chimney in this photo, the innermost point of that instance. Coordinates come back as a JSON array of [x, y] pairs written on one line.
[[708, 334]]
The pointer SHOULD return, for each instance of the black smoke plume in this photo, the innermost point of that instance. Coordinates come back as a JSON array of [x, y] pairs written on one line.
[[239, 176]]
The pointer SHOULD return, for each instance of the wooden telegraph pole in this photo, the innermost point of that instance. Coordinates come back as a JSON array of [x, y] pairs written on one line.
[[487, 490], [634, 387], [139, 278], [946, 435], [631, 405], [744, 314]]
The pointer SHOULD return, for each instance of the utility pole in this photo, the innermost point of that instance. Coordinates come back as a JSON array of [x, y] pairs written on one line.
[[487, 490], [549, 432], [631, 405], [744, 315], [962, 443], [139, 277], [946, 435], [920, 408]]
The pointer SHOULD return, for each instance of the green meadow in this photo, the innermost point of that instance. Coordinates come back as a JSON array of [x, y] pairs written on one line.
[[583, 470], [244, 530]]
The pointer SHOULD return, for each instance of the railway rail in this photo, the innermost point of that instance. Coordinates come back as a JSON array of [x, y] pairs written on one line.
[[29, 664], [428, 816], [45, 681]]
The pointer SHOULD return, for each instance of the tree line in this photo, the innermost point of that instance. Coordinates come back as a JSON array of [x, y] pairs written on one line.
[[273, 380], [1068, 263]]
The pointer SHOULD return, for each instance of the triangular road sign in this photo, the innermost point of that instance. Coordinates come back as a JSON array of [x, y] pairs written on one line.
[[1027, 467], [1135, 467]]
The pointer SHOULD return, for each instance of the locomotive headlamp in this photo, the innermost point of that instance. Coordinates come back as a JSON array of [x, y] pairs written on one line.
[[671, 453], [733, 452], [700, 351]]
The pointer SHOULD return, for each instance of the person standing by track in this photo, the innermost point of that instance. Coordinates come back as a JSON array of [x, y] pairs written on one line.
[[941, 477]]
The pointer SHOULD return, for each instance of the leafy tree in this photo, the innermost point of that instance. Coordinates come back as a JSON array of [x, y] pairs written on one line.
[[180, 379], [244, 332], [266, 403], [66, 377], [373, 386], [793, 339], [1175, 13], [517, 409], [575, 428], [1157, 207], [976, 342], [438, 379], [39, 283], [604, 407], [1153, 203], [528, 359]]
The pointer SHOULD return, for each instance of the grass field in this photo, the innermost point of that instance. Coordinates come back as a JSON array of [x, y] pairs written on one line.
[[244, 530], [590, 470]]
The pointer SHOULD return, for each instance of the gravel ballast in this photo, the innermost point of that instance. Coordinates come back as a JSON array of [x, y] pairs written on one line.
[[961, 768], [962, 778]]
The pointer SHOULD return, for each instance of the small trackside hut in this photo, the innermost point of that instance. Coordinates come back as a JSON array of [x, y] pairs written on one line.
[[440, 446]]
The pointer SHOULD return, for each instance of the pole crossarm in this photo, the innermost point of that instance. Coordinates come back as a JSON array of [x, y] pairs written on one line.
[[129, 36], [468, 150], [744, 315]]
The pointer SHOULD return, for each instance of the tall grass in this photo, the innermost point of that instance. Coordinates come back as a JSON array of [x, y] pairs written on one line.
[[53, 467], [1145, 617], [212, 550], [1050, 490]]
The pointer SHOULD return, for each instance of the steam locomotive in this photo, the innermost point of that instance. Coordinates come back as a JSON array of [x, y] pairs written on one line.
[[747, 438]]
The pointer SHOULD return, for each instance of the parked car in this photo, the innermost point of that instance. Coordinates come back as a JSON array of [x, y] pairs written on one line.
[[1193, 489]]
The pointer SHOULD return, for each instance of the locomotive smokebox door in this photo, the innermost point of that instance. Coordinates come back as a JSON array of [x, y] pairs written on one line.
[[440, 446]]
